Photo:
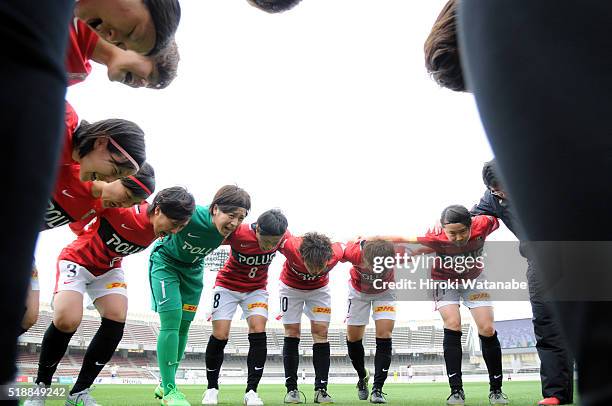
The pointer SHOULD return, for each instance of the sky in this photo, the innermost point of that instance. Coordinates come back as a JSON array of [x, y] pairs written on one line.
[[325, 111]]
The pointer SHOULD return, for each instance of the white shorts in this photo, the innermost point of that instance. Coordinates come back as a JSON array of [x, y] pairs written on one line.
[[225, 301], [72, 276], [315, 304], [472, 298], [359, 304], [34, 285]]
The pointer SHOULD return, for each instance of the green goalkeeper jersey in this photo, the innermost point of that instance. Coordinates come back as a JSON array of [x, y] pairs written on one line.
[[189, 247]]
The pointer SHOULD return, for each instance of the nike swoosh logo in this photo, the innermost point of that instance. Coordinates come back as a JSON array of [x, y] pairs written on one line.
[[287, 377], [244, 245], [258, 368], [211, 370], [126, 227], [162, 302], [68, 282], [451, 375], [99, 364], [192, 235], [496, 376], [385, 370], [323, 381], [65, 193]]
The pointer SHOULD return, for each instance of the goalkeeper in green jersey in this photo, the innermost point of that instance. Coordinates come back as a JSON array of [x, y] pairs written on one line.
[[176, 271]]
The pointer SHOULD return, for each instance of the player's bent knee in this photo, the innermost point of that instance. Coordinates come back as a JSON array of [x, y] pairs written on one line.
[[487, 330], [29, 320], [67, 324], [453, 324]]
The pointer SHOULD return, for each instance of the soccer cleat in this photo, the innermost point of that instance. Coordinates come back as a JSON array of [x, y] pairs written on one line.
[[159, 391], [36, 400], [497, 397], [377, 396], [321, 396], [174, 398], [82, 398], [550, 401], [211, 397], [293, 396], [457, 397], [362, 386], [251, 398]]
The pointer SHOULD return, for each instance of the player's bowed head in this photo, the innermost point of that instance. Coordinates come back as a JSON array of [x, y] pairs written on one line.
[[108, 150], [316, 250], [171, 210], [127, 191], [143, 26], [456, 223], [271, 227], [229, 208], [274, 6], [375, 254]]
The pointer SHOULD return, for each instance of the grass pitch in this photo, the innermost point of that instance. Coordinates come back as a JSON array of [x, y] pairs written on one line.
[[417, 394]]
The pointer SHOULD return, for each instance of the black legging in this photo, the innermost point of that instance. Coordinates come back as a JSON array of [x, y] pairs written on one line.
[[541, 72], [32, 88]]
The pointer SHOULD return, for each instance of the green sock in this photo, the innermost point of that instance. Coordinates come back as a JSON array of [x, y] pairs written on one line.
[[183, 335], [167, 347]]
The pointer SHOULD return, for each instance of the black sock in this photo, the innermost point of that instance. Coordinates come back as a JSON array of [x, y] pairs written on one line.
[[291, 360], [382, 361], [452, 357], [357, 355], [99, 352], [258, 350], [214, 360], [320, 361], [53, 348], [491, 352]]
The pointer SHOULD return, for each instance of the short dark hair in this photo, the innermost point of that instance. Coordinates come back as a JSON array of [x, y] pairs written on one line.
[[124, 132], [442, 59], [166, 15], [167, 65], [229, 198], [274, 6], [146, 176], [175, 202], [490, 174], [272, 222], [316, 249], [377, 249], [456, 214]]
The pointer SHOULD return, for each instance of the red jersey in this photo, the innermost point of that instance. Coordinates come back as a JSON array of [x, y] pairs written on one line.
[[465, 262], [246, 270], [362, 279], [71, 122], [71, 200], [81, 44], [295, 274], [115, 234]]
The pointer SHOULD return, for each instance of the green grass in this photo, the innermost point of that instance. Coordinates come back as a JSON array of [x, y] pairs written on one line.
[[520, 393]]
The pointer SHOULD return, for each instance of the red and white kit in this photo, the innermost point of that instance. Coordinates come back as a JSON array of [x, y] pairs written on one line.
[[92, 263], [82, 41], [447, 253], [363, 295], [301, 292], [242, 281]]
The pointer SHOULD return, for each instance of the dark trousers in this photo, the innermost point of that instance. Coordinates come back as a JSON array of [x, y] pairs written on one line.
[[557, 365], [541, 74], [32, 88]]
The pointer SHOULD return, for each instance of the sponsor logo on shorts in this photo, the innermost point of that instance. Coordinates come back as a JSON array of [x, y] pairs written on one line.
[[319, 309], [479, 296], [255, 305], [190, 308], [384, 309], [116, 285]]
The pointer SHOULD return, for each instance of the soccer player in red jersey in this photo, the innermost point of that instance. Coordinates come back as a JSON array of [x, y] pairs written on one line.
[[143, 26], [123, 66], [364, 294], [92, 264], [463, 237], [106, 150], [242, 282], [304, 289]]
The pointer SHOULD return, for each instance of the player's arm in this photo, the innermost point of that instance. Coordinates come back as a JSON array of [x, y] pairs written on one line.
[[485, 206], [104, 52]]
